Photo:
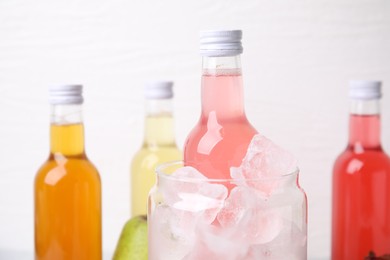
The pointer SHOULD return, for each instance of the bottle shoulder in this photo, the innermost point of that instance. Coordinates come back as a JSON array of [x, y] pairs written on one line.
[[156, 155], [147, 150], [373, 159], [227, 134], [61, 167], [223, 129], [359, 152]]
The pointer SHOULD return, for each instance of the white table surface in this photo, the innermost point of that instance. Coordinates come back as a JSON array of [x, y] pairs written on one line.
[[23, 255], [26, 255]]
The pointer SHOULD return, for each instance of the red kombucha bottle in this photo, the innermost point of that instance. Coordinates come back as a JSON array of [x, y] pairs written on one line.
[[361, 182]]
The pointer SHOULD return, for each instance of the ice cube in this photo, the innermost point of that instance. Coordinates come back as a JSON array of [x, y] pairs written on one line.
[[189, 191], [188, 172], [289, 244], [215, 242], [189, 202], [263, 160], [170, 237], [249, 213]]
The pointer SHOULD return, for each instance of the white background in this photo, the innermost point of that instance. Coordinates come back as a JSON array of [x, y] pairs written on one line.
[[298, 57]]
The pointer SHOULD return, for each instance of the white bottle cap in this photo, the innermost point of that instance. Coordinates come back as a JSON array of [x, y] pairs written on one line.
[[66, 94], [220, 43], [365, 89], [159, 90]]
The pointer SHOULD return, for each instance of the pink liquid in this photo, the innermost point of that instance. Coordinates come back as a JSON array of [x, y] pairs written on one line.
[[361, 194], [222, 136]]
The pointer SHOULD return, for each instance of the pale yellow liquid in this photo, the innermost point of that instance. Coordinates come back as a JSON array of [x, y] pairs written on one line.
[[159, 147], [67, 200]]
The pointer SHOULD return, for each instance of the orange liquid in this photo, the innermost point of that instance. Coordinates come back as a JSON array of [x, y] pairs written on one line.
[[67, 200]]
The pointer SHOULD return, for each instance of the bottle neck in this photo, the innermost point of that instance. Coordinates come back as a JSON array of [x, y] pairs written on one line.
[[159, 123], [222, 87], [66, 130], [364, 124]]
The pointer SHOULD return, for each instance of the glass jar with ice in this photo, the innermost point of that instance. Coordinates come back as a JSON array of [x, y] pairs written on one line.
[[260, 212]]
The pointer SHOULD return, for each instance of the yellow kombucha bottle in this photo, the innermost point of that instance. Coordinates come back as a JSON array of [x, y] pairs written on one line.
[[67, 186], [159, 144]]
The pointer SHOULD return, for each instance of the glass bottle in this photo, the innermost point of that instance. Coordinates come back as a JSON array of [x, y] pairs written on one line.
[[361, 182], [67, 186], [222, 135], [159, 144]]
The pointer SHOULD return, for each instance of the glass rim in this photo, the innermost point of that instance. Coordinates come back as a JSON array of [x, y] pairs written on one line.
[[160, 173]]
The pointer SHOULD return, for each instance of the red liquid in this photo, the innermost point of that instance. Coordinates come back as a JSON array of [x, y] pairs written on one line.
[[361, 194], [222, 136]]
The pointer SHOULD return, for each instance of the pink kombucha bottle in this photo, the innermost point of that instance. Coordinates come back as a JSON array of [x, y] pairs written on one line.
[[221, 137], [361, 183]]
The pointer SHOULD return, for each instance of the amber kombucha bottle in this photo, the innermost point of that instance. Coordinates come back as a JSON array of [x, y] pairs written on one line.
[[67, 186]]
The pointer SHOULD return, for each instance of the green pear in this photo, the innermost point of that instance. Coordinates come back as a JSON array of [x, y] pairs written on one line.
[[133, 242]]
